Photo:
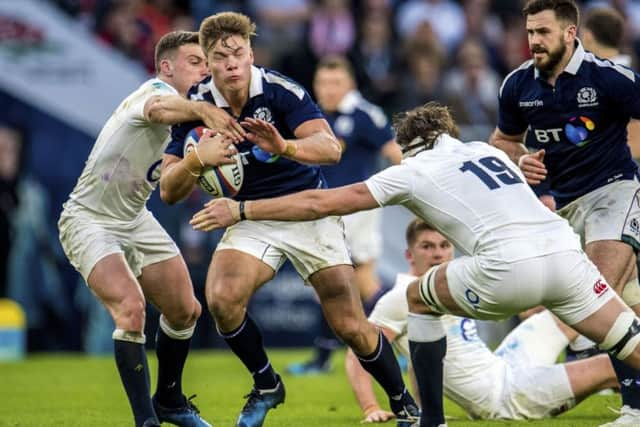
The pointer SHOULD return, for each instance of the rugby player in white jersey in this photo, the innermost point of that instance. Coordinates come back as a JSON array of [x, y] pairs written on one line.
[[118, 246], [519, 381], [517, 253]]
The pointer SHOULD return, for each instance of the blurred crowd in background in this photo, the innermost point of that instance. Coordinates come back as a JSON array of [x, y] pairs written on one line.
[[404, 52]]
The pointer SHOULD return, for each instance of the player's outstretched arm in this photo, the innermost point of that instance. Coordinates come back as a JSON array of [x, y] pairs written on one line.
[[362, 387], [315, 143], [174, 109], [302, 206]]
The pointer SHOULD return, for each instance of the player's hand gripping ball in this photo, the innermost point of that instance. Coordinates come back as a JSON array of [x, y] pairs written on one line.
[[218, 181]]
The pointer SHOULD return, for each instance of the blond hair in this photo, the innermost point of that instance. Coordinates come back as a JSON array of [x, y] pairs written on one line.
[[223, 25]]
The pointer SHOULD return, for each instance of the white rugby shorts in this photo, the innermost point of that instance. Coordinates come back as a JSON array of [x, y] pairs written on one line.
[[611, 212], [363, 234], [87, 238], [565, 282], [309, 245]]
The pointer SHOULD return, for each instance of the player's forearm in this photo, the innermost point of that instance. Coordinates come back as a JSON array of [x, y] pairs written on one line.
[[361, 383], [178, 179], [514, 149], [319, 148], [303, 206], [173, 109]]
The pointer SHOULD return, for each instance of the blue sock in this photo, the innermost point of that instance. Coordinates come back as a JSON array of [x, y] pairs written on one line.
[[134, 372], [383, 366], [629, 380], [172, 354], [246, 342], [325, 342], [428, 345]]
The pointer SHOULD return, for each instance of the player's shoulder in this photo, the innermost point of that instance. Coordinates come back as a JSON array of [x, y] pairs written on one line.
[[276, 84], [606, 70], [355, 104], [518, 77]]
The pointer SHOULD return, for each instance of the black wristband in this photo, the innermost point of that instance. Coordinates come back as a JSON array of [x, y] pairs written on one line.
[[241, 207]]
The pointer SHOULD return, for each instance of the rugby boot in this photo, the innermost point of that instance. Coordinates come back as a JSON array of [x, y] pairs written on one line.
[[187, 415], [258, 404], [406, 410]]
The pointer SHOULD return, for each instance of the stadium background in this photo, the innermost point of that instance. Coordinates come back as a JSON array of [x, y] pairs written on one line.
[[66, 64]]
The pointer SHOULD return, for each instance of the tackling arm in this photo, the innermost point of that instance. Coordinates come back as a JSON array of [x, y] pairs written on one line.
[[302, 206]]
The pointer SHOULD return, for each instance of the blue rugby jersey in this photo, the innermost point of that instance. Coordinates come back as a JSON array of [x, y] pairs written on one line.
[[362, 129], [280, 101], [580, 122]]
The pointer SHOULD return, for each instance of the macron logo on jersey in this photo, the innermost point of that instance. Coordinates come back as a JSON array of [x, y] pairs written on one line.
[[529, 104]]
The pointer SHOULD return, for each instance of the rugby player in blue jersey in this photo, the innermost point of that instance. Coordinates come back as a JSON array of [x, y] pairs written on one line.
[[287, 137], [364, 134], [571, 109]]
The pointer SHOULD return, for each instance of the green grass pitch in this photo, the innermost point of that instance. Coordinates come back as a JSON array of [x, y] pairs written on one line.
[[79, 391]]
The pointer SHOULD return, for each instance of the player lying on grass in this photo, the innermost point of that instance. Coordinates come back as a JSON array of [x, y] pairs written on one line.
[[517, 253], [520, 380]]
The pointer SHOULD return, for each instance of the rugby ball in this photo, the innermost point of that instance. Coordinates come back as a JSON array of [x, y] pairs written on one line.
[[218, 181]]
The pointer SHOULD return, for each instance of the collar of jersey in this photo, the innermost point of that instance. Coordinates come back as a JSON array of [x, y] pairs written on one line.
[[575, 62], [349, 102], [255, 88]]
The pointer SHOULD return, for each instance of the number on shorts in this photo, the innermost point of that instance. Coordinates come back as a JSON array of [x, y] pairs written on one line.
[[495, 168]]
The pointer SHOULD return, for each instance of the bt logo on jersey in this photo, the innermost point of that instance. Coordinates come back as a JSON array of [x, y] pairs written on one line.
[[578, 129], [600, 287]]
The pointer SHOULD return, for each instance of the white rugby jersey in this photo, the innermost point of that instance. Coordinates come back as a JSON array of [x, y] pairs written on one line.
[[473, 375], [123, 167], [477, 198]]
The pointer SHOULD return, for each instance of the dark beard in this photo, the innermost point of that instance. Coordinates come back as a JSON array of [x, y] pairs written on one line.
[[554, 60]]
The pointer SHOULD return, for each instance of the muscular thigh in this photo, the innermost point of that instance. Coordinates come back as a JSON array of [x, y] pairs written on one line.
[[112, 281], [608, 222], [168, 286], [614, 259], [235, 275]]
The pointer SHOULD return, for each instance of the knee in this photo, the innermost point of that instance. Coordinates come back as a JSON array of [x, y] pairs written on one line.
[[227, 300], [185, 315], [130, 314], [350, 330]]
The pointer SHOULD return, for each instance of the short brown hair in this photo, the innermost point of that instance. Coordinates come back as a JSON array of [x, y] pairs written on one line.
[[224, 25], [606, 25], [421, 126], [415, 227], [170, 42], [336, 62], [565, 10]]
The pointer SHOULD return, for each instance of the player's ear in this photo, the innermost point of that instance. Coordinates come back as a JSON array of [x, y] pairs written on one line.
[[251, 54], [570, 33], [166, 67], [408, 256]]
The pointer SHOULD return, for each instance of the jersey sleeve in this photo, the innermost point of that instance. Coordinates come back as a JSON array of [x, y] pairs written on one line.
[[294, 102], [136, 106], [510, 120], [624, 87], [392, 186], [377, 129]]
